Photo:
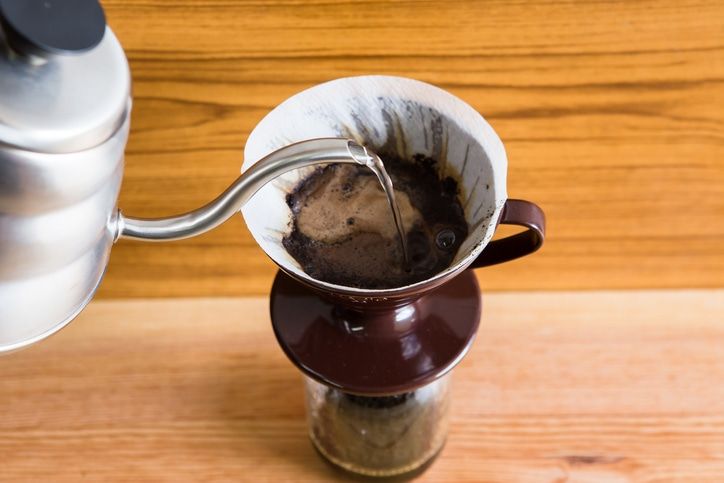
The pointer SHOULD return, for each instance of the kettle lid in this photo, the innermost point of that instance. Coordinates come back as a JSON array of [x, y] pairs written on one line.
[[64, 79]]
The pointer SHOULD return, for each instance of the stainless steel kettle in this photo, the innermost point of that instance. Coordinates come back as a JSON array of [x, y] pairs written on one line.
[[65, 101]]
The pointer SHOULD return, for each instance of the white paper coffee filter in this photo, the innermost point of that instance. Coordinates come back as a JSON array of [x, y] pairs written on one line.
[[386, 114]]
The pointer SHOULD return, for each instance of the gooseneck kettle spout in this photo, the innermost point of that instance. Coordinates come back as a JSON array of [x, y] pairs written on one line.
[[208, 217]]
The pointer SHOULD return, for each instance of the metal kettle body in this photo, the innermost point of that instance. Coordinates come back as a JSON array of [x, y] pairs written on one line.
[[56, 233], [64, 121]]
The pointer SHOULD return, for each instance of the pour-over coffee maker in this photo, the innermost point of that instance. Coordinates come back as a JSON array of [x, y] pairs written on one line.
[[377, 363]]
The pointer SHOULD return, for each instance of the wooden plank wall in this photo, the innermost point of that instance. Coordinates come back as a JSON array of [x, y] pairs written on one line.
[[612, 113]]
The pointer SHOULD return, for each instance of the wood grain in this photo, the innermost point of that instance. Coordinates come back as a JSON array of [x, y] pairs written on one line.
[[611, 113], [584, 387]]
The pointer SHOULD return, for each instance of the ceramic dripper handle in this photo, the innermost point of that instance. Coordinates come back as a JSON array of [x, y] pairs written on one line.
[[521, 213]]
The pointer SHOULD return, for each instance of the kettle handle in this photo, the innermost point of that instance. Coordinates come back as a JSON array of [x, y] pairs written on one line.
[[521, 213]]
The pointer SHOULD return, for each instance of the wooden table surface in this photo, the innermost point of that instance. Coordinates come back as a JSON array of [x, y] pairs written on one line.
[[582, 387], [611, 113]]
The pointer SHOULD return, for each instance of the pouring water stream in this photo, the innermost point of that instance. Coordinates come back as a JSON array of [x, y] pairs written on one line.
[[374, 163]]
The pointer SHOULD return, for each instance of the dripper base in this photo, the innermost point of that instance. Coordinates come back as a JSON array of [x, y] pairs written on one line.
[[385, 350]]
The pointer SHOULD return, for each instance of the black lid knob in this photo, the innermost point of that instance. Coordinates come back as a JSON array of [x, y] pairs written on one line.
[[42, 27]]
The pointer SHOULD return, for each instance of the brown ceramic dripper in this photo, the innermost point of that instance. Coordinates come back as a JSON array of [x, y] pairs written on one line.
[[377, 361]]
